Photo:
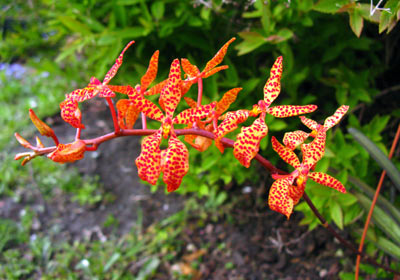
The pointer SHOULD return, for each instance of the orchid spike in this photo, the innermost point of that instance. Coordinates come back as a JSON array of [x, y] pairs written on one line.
[[284, 193]]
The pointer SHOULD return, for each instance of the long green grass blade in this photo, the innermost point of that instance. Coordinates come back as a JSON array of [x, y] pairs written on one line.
[[381, 219], [378, 155]]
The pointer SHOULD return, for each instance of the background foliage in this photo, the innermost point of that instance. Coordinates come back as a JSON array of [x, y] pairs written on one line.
[[334, 53]]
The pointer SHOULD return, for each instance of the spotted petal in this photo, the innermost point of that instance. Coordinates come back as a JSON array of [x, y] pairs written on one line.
[[43, 128], [151, 72], [227, 99], [272, 87], [284, 111], [82, 94], [336, 117], [70, 113], [146, 106], [127, 113], [314, 151], [189, 69], [120, 89], [279, 199], [248, 140], [68, 152], [215, 70], [326, 180], [114, 69], [191, 102], [219, 56], [193, 115], [171, 93], [149, 161], [156, 89], [296, 192], [230, 123], [175, 163], [285, 153], [294, 139], [311, 124]]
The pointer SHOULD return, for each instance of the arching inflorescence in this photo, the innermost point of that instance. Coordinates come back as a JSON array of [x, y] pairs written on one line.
[[205, 123]]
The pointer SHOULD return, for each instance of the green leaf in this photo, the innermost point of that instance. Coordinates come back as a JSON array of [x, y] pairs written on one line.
[[336, 213], [388, 247], [356, 22], [74, 25], [149, 268], [381, 219], [382, 201], [157, 9], [329, 6], [251, 41], [378, 155], [111, 261]]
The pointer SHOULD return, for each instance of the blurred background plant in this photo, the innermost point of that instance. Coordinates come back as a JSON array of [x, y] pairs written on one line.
[[335, 52]]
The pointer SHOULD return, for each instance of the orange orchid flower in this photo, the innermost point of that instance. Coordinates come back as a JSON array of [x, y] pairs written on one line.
[[284, 194], [296, 138], [173, 161], [69, 107], [248, 140]]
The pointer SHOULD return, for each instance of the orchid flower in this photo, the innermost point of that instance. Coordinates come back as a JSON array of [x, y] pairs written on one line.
[[174, 161], [202, 143], [287, 190], [69, 107], [248, 140], [296, 138]]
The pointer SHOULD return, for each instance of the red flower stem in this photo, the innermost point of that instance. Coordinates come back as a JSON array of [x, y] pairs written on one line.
[[228, 143], [113, 114], [199, 91], [144, 121], [371, 209], [55, 139], [77, 135]]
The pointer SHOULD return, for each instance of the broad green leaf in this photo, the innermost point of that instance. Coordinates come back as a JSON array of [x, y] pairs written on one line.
[[378, 155], [329, 6], [356, 22], [251, 41], [336, 213], [157, 9]]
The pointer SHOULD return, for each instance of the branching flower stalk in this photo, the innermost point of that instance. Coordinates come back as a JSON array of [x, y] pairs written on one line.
[[204, 124]]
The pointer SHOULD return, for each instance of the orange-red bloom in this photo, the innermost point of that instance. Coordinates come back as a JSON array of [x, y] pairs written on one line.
[[284, 194], [173, 161], [296, 138], [69, 107]]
